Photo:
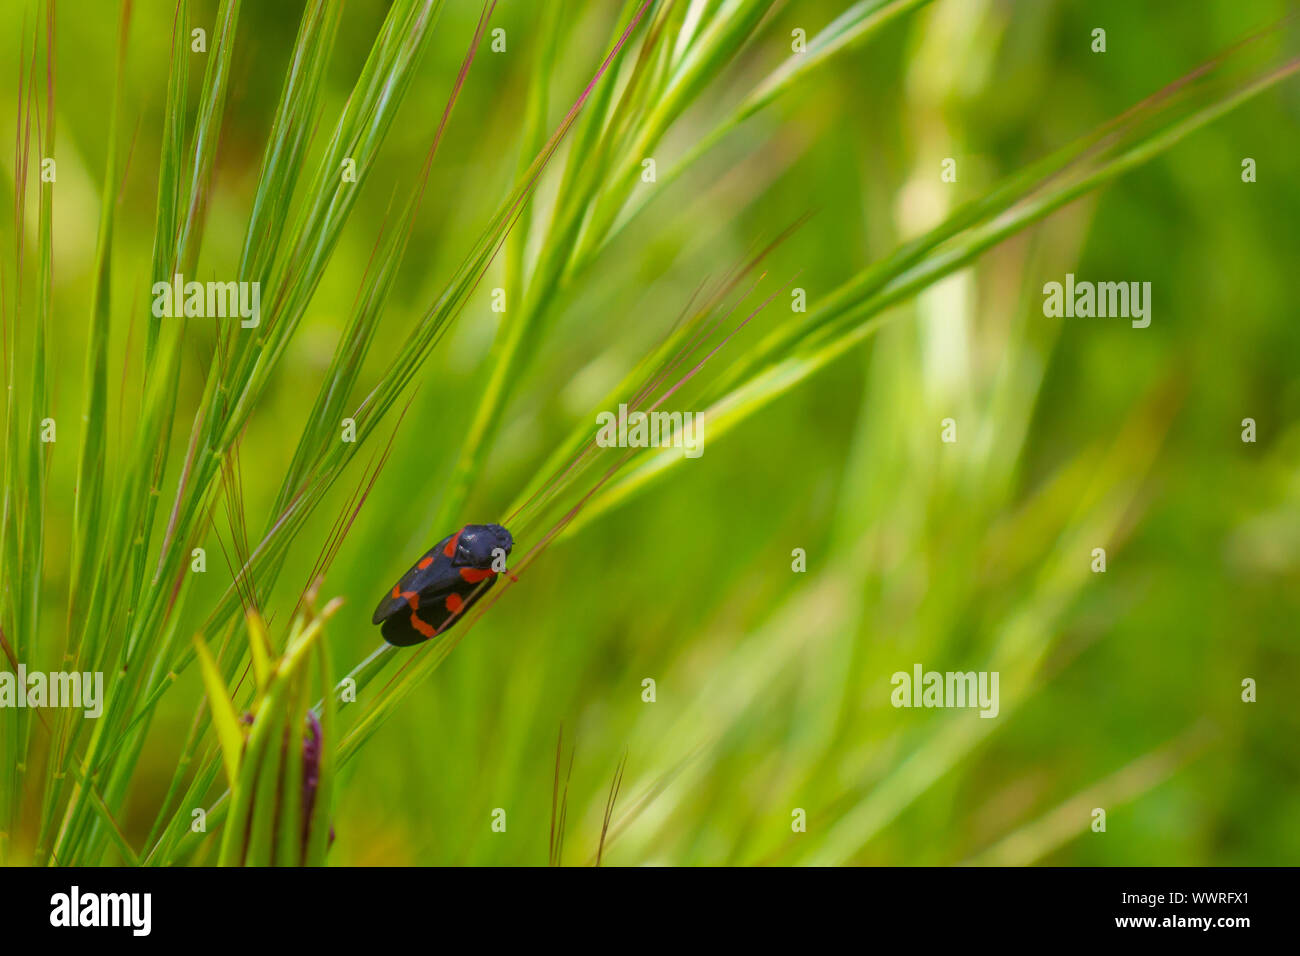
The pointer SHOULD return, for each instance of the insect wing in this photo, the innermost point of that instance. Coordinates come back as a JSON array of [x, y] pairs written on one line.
[[437, 607], [421, 575]]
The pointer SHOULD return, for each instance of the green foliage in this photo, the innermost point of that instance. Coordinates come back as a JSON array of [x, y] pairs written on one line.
[[522, 171]]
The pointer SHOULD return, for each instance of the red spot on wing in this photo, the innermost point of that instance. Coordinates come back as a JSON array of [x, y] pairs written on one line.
[[475, 575], [425, 562], [421, 626], [397, 590], [450, 550], [412, 598], [454, 603]]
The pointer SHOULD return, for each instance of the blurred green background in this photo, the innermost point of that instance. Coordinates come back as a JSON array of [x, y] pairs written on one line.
[[1119, 690]]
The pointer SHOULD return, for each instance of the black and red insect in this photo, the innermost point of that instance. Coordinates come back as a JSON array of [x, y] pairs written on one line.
[[443, 584]]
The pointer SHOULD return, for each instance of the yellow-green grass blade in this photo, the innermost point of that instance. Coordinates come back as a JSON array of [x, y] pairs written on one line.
[[229, 734], [833, 330]]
